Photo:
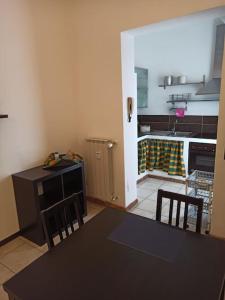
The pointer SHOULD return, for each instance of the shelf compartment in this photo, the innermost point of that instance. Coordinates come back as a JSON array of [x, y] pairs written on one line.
[[52, 192], [72, 182]]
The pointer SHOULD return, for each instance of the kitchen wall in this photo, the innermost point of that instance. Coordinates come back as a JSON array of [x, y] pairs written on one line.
[[62, 82], [200, 126], [179, 48]]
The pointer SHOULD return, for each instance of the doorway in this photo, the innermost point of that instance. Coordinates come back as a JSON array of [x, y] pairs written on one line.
[[167, 49]]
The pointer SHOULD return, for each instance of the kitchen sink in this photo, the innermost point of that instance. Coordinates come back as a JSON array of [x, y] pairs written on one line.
[[160, 133], [180, 133], [171, 133]]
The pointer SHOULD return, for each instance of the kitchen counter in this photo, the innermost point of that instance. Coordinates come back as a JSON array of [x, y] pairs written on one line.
[[194, 138], [186, 141]]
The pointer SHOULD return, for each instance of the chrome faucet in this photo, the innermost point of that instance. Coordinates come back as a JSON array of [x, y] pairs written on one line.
[[174, 127]]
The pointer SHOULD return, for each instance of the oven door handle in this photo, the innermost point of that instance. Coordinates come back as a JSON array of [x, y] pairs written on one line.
[[211, 153]]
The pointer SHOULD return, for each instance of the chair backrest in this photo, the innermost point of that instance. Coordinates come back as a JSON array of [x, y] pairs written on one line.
[[188, 200], [60, 217]]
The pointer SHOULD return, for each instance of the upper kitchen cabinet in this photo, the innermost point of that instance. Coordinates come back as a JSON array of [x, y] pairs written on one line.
[[142, 87]]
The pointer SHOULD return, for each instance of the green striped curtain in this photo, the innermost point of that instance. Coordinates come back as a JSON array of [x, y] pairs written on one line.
[[163, 155], [143, 156]]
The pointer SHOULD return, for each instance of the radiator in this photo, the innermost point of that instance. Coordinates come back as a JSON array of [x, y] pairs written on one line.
[[99, 169]]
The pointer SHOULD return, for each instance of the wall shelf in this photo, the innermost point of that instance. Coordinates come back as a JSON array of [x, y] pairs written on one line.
[[3, 116], [187, 83], [192, 100]]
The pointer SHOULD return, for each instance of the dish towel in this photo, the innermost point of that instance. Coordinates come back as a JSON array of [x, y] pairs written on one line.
[[180, 112]]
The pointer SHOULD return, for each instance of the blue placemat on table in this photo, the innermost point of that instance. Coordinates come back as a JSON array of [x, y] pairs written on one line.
[[149, 236]]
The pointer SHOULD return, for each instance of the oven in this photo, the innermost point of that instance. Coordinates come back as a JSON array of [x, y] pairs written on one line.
[[201, 157]]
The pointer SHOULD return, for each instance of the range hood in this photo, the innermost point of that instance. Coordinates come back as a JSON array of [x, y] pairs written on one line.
[[213, 86]]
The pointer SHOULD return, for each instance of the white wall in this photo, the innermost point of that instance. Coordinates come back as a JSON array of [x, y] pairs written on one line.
[[129, 80], [23, 141], [180, 48], [36, 90]]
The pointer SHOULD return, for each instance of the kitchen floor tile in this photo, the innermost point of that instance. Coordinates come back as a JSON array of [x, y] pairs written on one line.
[[153, 180], [143, 193], [152, 184], [182, 190], [153, 196], [148, 201], [148, 205], [170, 187], [174, 184], [143, 213]]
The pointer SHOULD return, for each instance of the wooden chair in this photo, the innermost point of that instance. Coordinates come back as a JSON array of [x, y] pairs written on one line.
[[197, 202], [58, 218]]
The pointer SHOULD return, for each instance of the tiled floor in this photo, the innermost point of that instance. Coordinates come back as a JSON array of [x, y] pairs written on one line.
[[147, 199], [147, 196], [20, 252]]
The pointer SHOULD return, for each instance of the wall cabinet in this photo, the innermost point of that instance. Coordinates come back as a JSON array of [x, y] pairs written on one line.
[[37, 189], [142, 87]]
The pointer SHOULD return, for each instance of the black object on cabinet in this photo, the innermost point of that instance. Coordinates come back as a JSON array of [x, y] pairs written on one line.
[[37, 189]]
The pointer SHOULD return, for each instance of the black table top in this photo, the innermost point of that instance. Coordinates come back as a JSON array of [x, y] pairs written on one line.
[[89, 265]]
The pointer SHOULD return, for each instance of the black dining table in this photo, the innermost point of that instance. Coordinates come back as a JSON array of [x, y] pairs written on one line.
[[122, 256]]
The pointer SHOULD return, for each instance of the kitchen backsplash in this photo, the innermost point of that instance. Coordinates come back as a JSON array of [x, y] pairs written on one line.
[[201, 126]]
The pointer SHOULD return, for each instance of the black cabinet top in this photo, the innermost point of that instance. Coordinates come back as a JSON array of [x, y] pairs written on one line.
[[40, 174]]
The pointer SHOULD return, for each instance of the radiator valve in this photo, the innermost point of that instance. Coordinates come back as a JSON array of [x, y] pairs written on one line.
[[114, 198]]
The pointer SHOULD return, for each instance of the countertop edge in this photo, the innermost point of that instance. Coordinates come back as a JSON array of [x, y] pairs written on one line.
[[172, 138]]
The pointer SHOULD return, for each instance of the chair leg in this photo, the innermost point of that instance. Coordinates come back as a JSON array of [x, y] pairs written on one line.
[[48, 238], [223, 292], [78, 213]]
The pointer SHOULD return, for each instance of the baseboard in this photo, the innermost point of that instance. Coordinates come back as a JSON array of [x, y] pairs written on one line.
[[166, 178], [161, 178], [132, 204], [142, 179], [10, 238], [110, 204]]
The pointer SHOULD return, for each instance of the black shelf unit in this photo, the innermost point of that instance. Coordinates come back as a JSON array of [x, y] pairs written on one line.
[[37, 189]]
